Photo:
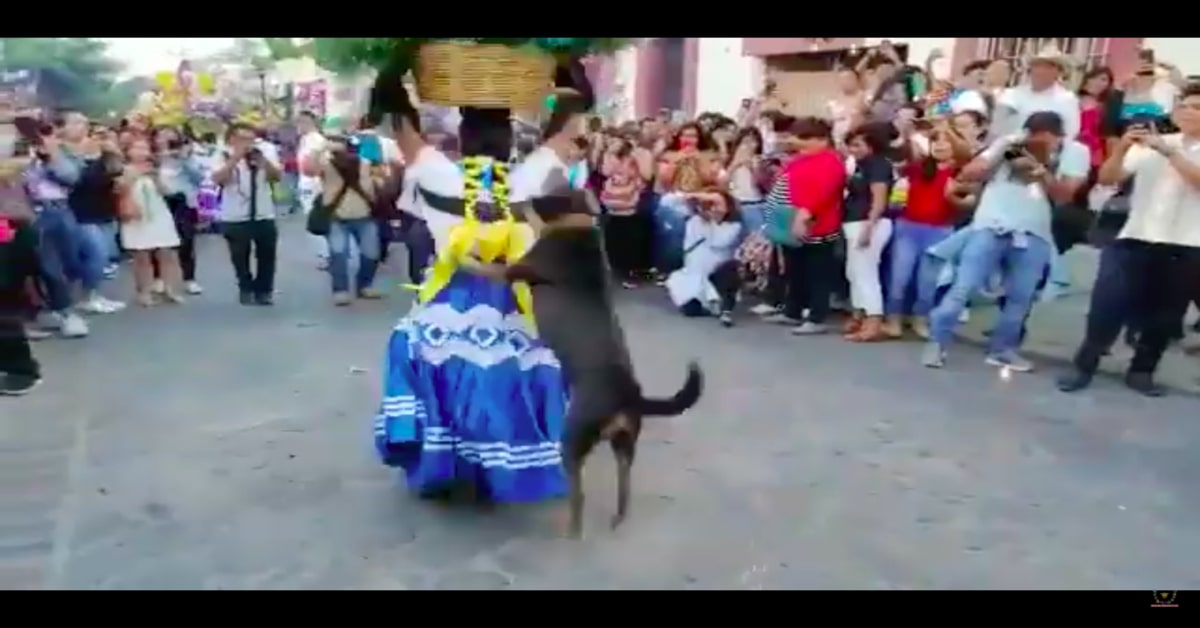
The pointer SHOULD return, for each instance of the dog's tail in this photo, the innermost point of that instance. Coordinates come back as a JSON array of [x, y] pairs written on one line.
[[681, 401]]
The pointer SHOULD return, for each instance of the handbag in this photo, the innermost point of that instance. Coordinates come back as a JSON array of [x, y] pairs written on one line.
[[320, 218], [778, 225]]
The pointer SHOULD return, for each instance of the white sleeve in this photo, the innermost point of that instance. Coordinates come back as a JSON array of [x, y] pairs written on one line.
[[435, 172], [1008, 99], [525, 182], [1135, 159], [1071, 121]]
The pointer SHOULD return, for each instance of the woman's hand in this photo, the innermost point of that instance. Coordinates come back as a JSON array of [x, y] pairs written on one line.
[[864, 236], [799, 227]]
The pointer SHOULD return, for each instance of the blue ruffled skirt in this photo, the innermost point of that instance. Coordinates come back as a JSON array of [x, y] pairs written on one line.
[[470, 396]]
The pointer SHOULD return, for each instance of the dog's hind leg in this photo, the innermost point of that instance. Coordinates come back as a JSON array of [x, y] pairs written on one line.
[[576, 446], [624, 446]]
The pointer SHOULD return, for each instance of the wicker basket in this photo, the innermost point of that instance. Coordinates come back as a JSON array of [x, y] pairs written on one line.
[[466, 74]]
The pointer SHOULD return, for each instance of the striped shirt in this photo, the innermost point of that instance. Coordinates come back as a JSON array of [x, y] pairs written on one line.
[[780, 201]]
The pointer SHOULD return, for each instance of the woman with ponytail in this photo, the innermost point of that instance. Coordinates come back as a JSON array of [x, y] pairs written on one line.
[[471, 396]]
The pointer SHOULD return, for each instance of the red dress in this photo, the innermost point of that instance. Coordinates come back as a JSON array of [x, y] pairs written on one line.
[[1090, 120]]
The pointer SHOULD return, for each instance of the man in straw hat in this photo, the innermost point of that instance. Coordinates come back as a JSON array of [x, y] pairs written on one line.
[[1043, 92]]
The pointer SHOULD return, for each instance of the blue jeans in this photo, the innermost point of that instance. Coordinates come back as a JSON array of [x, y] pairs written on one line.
[[100, 239], [1022, 264], [670, 220], [58, 252], [365, 232], [909, 243], [753, 216]]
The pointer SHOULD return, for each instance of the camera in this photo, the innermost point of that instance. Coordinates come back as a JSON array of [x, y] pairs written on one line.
[[1014, 152]]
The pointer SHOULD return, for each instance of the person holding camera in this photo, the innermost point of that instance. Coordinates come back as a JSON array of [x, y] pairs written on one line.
[[348, 194], [1026, 174], [1152, 267], [247, 213]]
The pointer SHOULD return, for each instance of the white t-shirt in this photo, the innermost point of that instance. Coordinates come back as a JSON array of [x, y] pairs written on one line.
[[1163, 207], [309, 187], [1023, 101], [529, 178]]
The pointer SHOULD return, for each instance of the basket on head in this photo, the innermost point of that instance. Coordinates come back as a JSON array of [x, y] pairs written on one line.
[[467, 74]]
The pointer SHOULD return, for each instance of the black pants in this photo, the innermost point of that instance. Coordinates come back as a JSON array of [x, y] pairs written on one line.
[[185, 225], [811, 271], [259, 237], [384, 228], [727, 281], [1151, 281], [16, 357], [776, 290], [628, 241]]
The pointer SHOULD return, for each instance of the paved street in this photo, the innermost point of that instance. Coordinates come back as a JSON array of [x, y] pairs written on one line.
[[217, 446]]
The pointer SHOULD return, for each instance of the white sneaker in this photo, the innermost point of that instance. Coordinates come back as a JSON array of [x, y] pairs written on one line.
[[193, 288], [72, 325], [158, 287], [100, 305], [965, 317], [35, 333], [763, 309]]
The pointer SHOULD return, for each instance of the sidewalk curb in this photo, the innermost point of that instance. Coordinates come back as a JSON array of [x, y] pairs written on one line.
[[1062, 363]]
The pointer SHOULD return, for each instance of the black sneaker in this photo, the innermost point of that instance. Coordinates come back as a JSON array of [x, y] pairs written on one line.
[[246, 298], [13, 385], [264, 299], [1144, 383], [1074, 381]]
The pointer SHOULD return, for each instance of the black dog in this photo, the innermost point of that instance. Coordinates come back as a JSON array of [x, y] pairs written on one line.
[[572, 304]]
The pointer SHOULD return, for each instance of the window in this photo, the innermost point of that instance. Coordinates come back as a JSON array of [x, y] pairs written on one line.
[[1088, 52]]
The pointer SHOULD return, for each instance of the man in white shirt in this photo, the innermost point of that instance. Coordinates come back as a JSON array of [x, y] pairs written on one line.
[[247, 213], [1043, 92], [1147, 275], [312, 147]]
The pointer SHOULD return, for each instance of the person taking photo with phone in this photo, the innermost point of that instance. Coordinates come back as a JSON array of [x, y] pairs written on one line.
[[1150, 271], [247, 213]]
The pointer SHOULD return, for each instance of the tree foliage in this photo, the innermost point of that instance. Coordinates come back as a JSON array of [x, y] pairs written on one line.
[[76, 72]]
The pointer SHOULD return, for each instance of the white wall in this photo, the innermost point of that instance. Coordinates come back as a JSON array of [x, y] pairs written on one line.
[[625, 84], [1183, 52], [724, 75]]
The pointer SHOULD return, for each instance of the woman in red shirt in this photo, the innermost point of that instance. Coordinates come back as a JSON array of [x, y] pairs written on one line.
[[927, 219], [809, 190], [1094, 95]]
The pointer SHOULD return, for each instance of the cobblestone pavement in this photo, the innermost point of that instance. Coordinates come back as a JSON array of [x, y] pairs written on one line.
[[218, 446]]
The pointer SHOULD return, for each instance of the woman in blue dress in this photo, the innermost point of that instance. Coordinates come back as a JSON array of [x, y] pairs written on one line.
[[471, 397]]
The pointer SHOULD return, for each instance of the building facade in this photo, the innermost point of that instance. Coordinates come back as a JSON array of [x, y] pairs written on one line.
[[715, 73]]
